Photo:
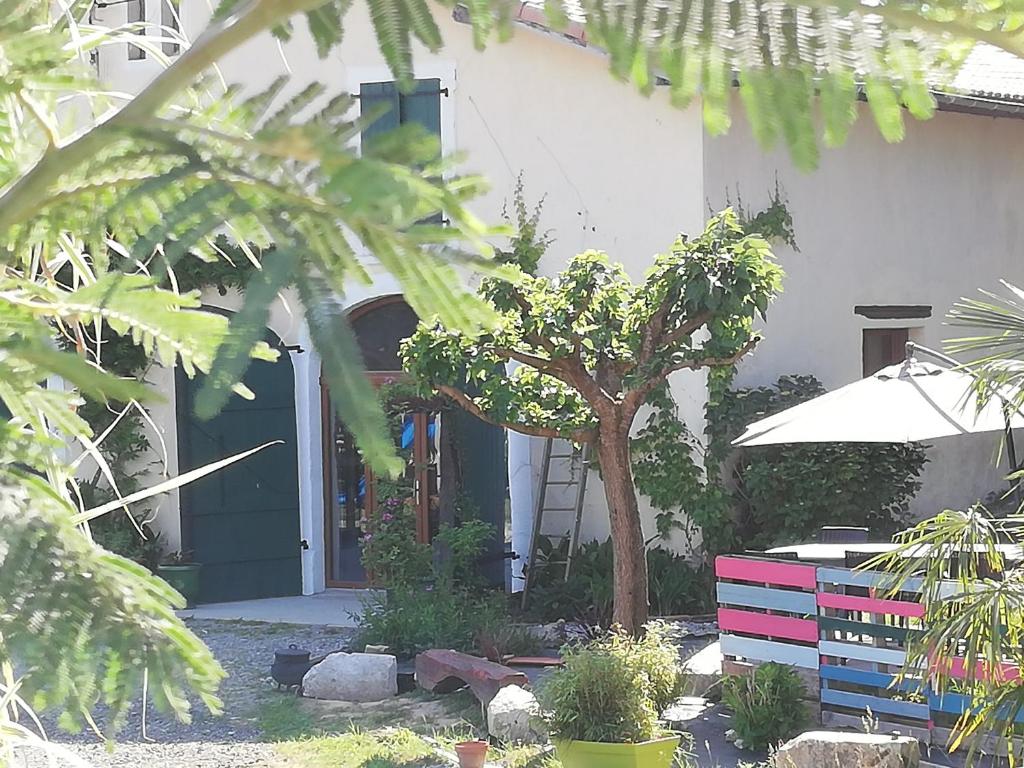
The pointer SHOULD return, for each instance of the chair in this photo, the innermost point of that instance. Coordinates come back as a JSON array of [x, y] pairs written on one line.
[[771, 555], [842, 534]]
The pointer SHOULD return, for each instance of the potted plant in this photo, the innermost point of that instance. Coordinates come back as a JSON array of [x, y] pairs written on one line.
[[602, 706], [178, 570]]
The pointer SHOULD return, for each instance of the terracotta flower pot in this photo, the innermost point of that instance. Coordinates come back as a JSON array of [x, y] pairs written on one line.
[[472, 754]]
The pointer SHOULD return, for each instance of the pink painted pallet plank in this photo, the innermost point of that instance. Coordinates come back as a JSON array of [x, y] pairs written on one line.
[[768, 626], [766, 572], [869, 605], [957, 668]]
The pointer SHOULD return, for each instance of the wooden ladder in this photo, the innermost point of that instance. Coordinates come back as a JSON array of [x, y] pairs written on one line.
[[578, 469]]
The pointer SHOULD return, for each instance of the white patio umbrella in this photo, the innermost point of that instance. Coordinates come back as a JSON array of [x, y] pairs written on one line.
[[903, 403]]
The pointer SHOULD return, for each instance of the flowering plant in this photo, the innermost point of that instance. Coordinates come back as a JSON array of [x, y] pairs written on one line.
[[390, 552]]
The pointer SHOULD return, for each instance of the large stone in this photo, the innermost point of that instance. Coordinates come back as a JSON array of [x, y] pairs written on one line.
[[512, 716], [816, 749], [352, 677]]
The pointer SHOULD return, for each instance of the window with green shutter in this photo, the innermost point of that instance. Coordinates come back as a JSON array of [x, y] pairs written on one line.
[[422, 105]]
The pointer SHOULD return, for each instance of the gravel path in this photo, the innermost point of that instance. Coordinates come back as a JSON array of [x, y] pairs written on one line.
[[231, 740]]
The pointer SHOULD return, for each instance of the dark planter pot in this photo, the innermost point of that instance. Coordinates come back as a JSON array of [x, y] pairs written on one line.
[[290, 665], [184, 578]]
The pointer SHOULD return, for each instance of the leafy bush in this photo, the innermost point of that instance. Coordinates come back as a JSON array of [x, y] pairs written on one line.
[[767, 706], [786, 493], [675, 586], [411, 619], [426, 603], [613, 689], [390, 553]]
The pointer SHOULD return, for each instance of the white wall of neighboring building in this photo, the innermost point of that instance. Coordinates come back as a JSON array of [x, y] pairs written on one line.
[[619, 172], [925, 221]]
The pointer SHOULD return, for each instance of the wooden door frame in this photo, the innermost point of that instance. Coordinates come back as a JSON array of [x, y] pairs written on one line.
[[421, 445]]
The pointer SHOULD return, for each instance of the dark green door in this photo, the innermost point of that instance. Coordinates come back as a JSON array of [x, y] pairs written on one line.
[[242, 523], [485, 481]]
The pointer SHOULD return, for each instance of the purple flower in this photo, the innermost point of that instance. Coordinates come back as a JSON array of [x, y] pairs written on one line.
[[387, 517], [367, 537]]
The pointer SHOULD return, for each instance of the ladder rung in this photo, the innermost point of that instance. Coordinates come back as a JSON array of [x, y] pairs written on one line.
[[563, 482], [563, 455], [559, 509]]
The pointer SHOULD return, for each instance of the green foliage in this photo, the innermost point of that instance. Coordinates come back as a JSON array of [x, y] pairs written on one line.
[[592, 315], [767, 706], [675, 585], [786, 493], [87, 625], [529, 244], [390, 553], [613, 689], [413, 618]]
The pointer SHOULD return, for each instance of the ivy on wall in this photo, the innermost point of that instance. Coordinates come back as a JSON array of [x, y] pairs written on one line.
[[755, 498]]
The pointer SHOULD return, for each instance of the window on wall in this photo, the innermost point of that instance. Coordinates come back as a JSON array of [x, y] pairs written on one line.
[[882, 347], [170, 19], [420, 106], [136, 13]]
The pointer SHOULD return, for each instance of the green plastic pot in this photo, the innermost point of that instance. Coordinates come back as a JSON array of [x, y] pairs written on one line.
[[184, 578], [657, 753]]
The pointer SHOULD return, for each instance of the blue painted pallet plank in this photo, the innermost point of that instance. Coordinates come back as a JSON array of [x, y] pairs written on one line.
[[802, 603], [862, 652], [866, 579], [802, 656], [877, 704], [878, 580], [958, 703], [866, 677]]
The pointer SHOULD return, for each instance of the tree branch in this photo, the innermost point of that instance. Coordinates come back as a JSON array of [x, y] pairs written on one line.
[[466, 403], [636, 397], [26, 196], [542, 364]]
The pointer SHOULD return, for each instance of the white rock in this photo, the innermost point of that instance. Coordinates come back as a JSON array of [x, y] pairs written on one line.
[[511, 716], [815, 749], [352, 677], [730, 735]]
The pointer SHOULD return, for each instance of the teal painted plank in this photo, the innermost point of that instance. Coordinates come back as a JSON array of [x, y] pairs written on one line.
[[767, 650], [828, 624], [877, 704], [801, 603], [862, 652]]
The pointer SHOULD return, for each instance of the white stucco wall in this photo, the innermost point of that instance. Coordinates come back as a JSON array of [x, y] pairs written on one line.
[[620, 172], [925, 221]]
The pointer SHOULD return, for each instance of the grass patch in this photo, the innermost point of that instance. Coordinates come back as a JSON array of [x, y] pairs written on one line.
[[386, 748]]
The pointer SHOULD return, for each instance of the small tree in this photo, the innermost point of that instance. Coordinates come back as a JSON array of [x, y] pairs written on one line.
[[591, 347]]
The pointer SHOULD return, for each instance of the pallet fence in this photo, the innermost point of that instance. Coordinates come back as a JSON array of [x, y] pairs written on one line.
[[846, 643]]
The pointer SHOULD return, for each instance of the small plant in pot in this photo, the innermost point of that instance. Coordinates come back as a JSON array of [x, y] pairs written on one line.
[[181, 572], [601, 708]]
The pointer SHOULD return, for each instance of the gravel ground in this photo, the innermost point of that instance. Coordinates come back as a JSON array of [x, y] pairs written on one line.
[[231, 740]]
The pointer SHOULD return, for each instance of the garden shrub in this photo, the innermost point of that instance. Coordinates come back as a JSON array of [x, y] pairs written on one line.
[[675, 586], [767, 706], [781, 494], [613, 689], [426, 602]]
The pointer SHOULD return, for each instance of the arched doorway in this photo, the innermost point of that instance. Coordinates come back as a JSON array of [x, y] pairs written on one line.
[[350, 487], [242, 523], [461, 456]]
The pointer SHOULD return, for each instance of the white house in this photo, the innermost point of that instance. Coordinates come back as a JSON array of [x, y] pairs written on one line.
[[889, 237]]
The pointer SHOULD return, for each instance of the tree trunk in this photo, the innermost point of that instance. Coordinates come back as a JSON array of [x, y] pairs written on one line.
[[630, 571]]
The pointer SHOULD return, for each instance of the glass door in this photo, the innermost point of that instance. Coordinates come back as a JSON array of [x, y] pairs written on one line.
[[352, 490]]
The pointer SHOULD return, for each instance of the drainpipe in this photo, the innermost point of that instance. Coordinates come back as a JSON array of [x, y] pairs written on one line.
[[520, 491]]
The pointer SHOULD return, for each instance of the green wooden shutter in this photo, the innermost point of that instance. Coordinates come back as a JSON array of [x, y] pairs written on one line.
[[372, 98]]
